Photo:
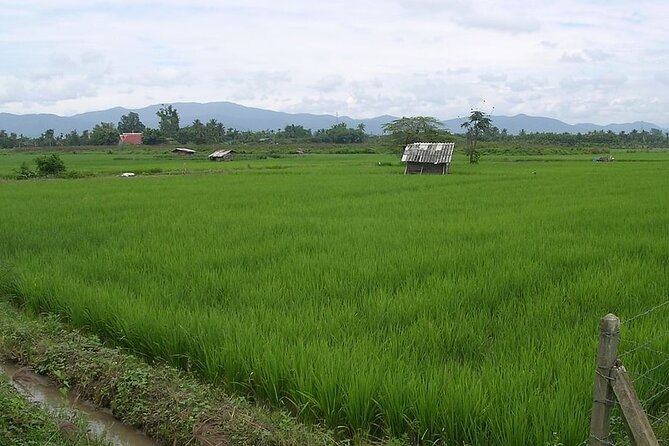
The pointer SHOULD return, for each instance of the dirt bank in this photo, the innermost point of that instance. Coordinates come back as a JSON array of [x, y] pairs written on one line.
[[165, 403]]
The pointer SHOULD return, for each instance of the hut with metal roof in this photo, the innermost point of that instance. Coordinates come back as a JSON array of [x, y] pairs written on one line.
[[221, 155], [183, 151], [428, 158]]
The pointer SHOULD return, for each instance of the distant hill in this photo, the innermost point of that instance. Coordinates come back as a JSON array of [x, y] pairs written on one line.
[[230, 114], [249, 118], [514, 124]]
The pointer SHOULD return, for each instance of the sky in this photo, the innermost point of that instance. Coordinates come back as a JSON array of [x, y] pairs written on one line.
[[599, 61]]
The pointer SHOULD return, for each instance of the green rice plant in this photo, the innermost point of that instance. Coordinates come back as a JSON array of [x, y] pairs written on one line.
[[460, 309]]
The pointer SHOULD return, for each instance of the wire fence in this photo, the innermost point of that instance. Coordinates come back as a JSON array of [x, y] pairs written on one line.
[[644, 351]]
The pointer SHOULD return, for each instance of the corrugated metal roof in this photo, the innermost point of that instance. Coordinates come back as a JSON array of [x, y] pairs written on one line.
[[429, 152], [221, 153], [184, 150]]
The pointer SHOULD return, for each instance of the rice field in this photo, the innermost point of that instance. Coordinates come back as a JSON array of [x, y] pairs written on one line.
[[462, 308]]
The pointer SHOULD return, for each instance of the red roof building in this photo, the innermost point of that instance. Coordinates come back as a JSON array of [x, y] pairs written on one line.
[[131, 138]]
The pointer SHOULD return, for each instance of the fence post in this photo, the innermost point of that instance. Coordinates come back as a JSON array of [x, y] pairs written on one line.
[[602, 401], [641, 433]]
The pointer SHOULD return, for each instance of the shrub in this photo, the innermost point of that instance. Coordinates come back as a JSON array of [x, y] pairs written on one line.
[[25, 172], [49, 165]]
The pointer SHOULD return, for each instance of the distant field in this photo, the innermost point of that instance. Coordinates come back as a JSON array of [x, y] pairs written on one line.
[[462, 307], [159, 159]]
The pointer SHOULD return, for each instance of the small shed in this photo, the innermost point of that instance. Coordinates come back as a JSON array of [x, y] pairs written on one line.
[[222, 155], [182, 151], [428, 157], [130, 138]]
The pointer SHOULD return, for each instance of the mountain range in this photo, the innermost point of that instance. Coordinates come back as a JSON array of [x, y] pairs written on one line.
[[249, 118]]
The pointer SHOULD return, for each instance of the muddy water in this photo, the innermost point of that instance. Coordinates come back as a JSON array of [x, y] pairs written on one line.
[[45, 392]]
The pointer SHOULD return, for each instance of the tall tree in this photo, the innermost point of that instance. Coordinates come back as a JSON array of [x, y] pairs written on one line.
[[130, 123], [199, 132], [215, 131], [47, 138], [405, 131], [104, 134], [169, 121], [476, 126], [152, 137], [293, 131], [72, 139]]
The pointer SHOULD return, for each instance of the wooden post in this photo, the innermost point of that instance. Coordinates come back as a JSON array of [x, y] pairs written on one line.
[[641, 433], [602, 400]]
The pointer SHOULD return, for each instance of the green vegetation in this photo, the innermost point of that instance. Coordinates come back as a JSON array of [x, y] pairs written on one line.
[[166, 404], [477, 125], [25, 424], [104, 134], [169, 121], [131, 123], [460, 308], [405, 131], [47, 165]]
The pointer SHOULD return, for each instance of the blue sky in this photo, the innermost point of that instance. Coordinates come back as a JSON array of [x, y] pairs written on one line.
[[578, 61]]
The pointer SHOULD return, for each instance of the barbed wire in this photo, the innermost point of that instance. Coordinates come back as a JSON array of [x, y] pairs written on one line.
[[651, 370], [656, 421], [651, 367], [650, 310], [642, 346]]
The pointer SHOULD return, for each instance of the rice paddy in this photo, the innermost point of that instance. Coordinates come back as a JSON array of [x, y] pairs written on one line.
[[461, 308]]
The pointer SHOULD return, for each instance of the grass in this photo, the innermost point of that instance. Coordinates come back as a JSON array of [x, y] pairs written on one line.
[[23, 423], [461, 308], [166, 404]]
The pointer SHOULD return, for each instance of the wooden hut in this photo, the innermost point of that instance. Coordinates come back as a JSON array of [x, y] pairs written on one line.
[[221, 155], [182, 151], [428, 158]]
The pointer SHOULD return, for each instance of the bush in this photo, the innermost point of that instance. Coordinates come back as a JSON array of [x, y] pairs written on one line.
[[25, 172], [73, 174], [49, 165]]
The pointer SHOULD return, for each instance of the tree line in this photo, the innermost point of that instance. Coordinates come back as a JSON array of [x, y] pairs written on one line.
[[398, 133], [169, 130]]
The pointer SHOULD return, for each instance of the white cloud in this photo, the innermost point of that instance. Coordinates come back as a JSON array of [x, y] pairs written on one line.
[[572, 57], [548, 44], [403, 57]]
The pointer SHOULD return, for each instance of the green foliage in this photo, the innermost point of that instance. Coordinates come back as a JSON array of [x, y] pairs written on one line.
[[340, 134], [152, 137], [47, 139], [169, 405], [73, 139], [8, 140], [405, 131], [49, 165], [469, 320], [169, 121], [25, 172], [295, 132], [23, 423], [477, 125], [104, 134], [130, 123]]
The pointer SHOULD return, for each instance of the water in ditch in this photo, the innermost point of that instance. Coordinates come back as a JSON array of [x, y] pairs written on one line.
[[44, 391]]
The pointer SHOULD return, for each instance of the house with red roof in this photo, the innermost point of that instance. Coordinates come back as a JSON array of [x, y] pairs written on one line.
[[131, 138]]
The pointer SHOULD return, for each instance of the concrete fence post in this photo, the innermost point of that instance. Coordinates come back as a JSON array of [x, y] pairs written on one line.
[[602, 401]]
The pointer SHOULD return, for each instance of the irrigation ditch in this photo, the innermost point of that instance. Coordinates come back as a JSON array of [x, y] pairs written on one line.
[[57, 400], [122, 394]]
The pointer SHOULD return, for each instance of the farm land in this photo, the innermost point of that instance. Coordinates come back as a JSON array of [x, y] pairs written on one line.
[[461, 308]]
